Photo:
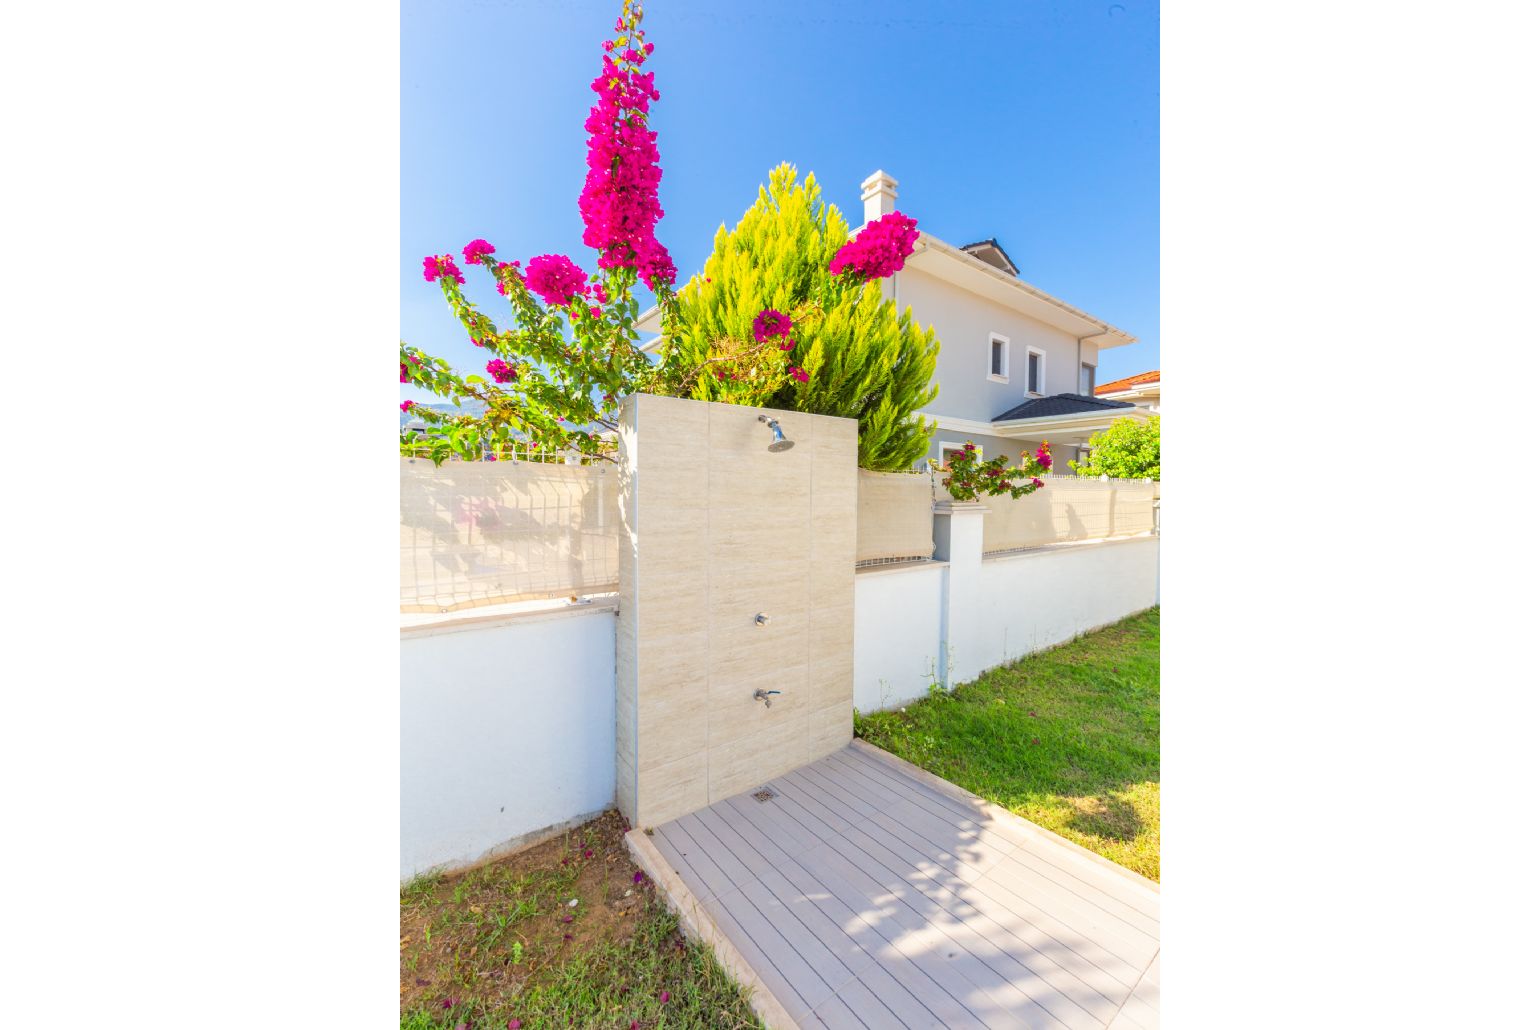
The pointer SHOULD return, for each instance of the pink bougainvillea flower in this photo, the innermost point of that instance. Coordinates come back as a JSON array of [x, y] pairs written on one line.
[[799, 374], [404, 378], [638, 876], [448, 1003], [555, 279], [619, 200], [501, 371], [635, 1025], [663, 998], [790, 344], [769, 324], [436, 268], [406, 405], [475, 250], [514, 1024], [1036, 481], [880, 249], [588, 853]]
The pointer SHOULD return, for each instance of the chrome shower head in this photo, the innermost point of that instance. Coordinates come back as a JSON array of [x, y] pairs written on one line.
[[778, 441]]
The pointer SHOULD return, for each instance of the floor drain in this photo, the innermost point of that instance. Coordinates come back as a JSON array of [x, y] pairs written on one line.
[[765, 794]]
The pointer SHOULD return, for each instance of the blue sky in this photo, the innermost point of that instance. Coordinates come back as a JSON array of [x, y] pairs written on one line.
[[1036, 123]]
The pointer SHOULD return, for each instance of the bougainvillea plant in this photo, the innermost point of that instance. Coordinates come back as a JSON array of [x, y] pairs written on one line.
[[555, 379], [555, 376], [967, 478]]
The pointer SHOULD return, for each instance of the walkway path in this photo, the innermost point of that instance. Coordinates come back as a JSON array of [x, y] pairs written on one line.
[[860, 891]]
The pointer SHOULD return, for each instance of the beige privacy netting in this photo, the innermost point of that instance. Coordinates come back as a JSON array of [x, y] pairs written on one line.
[[1069, 508], [479, 533], [893, 516]]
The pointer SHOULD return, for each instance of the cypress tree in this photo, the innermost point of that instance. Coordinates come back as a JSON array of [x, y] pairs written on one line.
[[865, 359]]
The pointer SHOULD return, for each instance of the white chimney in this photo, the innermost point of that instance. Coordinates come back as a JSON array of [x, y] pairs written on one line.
[[880, 194]]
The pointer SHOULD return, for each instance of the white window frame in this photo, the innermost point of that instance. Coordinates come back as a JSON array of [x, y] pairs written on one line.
[[1042, 373], [1005, 359], [948, 445], [1080, 372]]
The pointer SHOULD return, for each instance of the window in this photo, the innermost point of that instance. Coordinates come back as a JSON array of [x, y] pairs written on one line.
[[999, 358], [1035, 372], [950, 450], [1087, 379]]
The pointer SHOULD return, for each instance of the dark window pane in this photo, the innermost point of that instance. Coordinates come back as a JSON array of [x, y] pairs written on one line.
[[1034, 373]]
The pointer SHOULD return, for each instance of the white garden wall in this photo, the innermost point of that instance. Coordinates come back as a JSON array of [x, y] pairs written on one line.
[[508, 722], [898, 632], [1039, 598], [507, 729]]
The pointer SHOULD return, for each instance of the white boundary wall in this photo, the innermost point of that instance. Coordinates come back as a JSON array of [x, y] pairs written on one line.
[[508, 721], [507, 730], [898, 632], [947, 622]]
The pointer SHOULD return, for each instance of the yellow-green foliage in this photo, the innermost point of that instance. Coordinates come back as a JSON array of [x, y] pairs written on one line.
[[865, 359]]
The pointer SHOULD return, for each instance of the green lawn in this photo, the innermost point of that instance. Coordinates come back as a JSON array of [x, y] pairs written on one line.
[[1068, 738], [566, 934]]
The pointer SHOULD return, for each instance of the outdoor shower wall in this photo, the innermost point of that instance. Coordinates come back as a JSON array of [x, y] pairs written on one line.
[[715, 530]]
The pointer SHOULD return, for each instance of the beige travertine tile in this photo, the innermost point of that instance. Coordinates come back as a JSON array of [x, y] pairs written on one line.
[[735, 715], [831, 682], [625, 789], [670, 594], [669, 791], [829, 729], [672, 719], [782, 746], [740, 651], [832, 633]]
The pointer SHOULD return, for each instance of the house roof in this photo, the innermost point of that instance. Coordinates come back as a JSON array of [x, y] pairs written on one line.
[[1058, 404], [991, 253], [1119, 385]]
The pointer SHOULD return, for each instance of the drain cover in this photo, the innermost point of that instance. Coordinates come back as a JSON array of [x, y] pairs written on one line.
[[765, 794]]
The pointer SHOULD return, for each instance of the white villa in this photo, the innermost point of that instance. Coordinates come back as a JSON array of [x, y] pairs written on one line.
[[1017, 366]]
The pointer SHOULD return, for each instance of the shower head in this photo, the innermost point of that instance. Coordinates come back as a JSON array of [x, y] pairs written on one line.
[[778, 441]]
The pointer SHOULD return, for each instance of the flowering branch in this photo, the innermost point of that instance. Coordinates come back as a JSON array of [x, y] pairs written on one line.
[[967, 478]]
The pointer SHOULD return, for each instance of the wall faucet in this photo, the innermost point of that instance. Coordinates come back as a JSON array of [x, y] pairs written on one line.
[[765, 695]]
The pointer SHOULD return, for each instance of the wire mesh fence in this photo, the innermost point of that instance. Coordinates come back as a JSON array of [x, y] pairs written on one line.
[[489, 532]]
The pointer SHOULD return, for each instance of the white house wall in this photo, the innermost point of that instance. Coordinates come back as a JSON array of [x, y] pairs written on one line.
[[963, 321]]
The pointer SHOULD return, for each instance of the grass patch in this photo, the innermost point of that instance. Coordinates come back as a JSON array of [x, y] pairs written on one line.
[[1068, 738], [504, 942]]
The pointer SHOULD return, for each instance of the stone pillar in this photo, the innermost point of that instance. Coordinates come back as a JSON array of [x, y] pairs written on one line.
[[959, 529]]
